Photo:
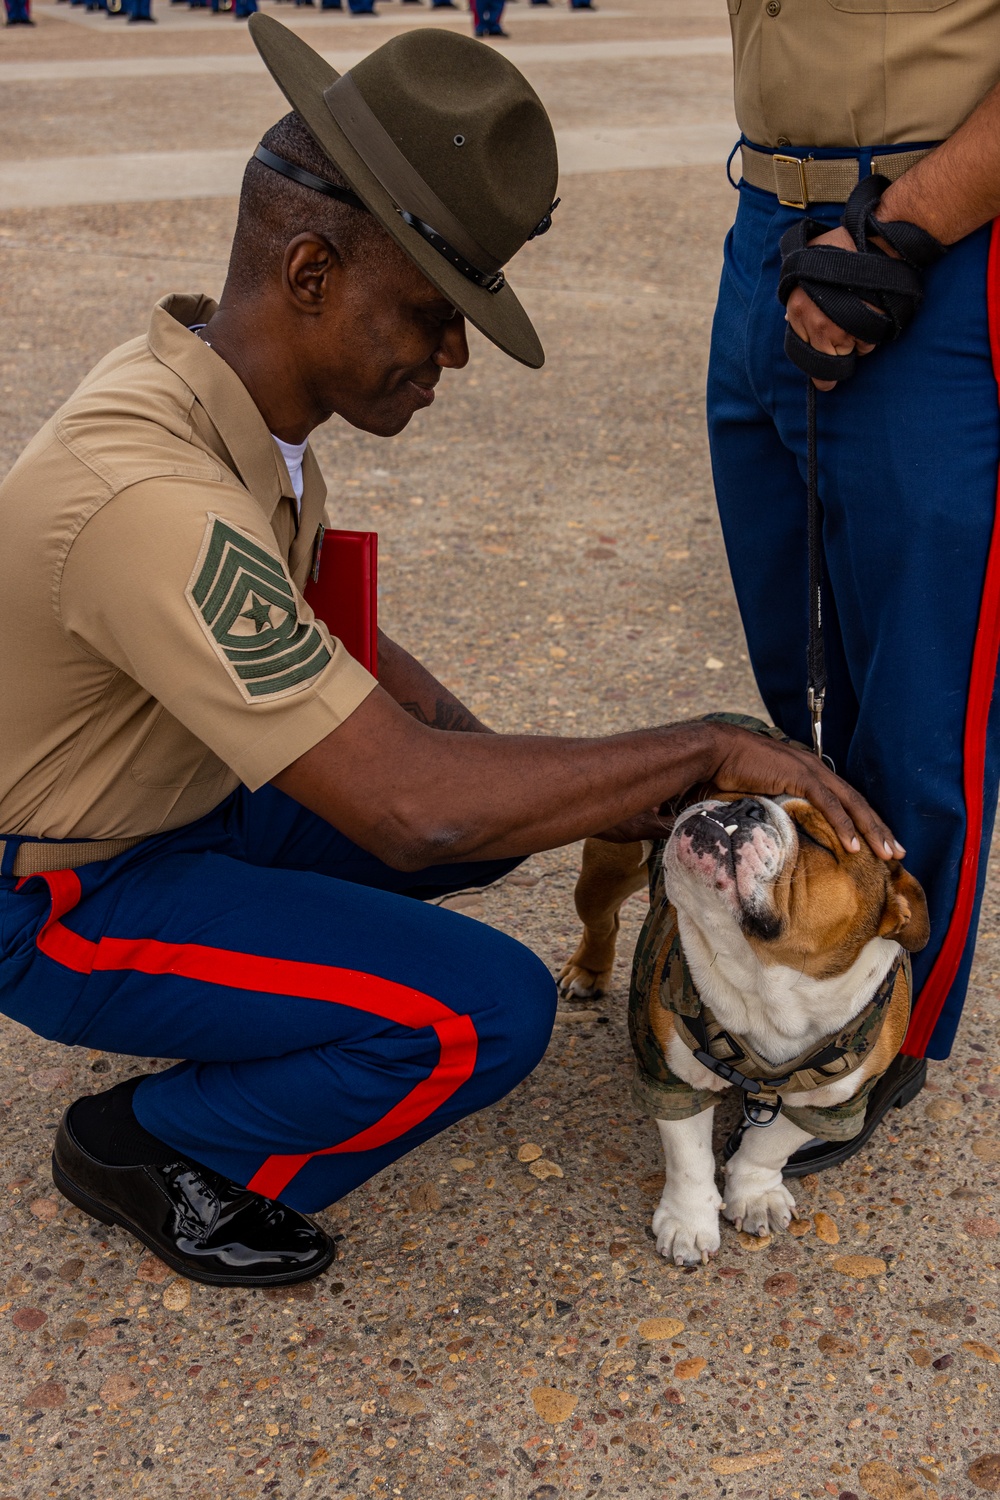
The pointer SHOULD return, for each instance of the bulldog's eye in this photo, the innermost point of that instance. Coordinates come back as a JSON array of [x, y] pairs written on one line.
[[804, 834]]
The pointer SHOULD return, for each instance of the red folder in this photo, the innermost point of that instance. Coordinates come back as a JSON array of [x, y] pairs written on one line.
[[343, 591]]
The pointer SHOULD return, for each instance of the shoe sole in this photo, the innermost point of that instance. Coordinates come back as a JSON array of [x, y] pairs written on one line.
[[105, 1215]]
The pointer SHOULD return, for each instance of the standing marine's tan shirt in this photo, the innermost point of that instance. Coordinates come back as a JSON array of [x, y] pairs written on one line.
[[157, 649], [861, 72]]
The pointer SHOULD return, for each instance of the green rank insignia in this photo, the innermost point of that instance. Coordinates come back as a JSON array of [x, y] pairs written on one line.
[[244, 599]]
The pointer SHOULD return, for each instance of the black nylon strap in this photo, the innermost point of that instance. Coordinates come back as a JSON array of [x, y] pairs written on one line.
[[815, 647], [918, 248], [814, 362], [864, 291]]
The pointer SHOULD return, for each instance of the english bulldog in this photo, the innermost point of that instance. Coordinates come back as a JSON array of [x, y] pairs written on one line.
[[773, 961]]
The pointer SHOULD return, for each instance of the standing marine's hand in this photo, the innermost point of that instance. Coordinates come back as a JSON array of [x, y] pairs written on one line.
[[812, 325]]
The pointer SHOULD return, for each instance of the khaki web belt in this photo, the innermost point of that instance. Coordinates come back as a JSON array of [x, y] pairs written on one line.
[[797, 183], [37, 858]]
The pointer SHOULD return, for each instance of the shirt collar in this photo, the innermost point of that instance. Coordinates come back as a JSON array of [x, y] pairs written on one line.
[[245, 443]]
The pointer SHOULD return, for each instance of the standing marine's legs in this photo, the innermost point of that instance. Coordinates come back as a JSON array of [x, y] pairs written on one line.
[[908, 479]]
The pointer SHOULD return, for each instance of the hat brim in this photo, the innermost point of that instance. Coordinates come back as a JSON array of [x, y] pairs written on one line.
[[302, 75]]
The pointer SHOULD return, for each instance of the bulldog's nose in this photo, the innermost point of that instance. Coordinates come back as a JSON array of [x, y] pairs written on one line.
[[747, 810]]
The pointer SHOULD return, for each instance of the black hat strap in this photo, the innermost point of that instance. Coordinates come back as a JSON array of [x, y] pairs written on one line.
[[307, 179], [489, 281]]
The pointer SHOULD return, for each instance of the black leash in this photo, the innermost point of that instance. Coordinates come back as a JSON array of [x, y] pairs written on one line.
[[872, 296], [815, 648]]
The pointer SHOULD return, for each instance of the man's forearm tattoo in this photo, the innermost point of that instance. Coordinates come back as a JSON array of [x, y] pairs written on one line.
[[448, 714]]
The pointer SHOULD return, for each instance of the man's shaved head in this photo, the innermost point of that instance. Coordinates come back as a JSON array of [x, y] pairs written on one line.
[[274, 209]]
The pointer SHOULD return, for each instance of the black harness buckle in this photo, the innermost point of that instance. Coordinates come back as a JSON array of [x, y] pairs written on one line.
[[757, 1110], [725, 1070]]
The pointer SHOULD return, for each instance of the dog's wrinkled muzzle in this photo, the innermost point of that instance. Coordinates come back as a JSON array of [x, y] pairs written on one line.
[[736, 848]]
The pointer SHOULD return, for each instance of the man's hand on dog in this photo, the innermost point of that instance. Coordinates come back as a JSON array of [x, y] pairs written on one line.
[[755, 763], [751, 762]]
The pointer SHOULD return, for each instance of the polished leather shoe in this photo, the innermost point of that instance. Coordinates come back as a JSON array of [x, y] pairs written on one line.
[[199, 1223]]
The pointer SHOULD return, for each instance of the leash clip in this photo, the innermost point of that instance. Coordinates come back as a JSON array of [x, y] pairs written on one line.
[[816, 698]]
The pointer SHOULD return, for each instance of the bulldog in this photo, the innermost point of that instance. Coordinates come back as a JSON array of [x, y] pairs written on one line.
[[773, 961]]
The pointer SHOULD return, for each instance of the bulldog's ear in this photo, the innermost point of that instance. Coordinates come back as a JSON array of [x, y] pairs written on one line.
[[904, 917]]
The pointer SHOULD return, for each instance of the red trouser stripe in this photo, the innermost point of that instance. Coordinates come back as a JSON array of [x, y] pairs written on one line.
[[985, 655], [280, 976]]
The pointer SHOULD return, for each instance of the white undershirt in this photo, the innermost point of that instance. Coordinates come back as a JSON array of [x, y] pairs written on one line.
[[292, 453]]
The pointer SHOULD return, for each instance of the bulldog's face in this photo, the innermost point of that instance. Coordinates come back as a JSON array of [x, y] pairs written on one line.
[[774, 867]]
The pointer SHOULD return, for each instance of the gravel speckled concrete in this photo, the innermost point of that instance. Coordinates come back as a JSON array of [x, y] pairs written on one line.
[[498, 1323]]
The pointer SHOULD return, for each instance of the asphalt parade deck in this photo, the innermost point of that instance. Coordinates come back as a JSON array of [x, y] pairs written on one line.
[[498, 1323]]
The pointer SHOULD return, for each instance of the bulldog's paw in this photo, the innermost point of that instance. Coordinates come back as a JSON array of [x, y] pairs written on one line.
[[579, 982], [687, 1239], [759, 1209]]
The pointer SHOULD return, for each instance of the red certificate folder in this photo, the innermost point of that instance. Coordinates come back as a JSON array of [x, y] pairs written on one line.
[[343, 591]]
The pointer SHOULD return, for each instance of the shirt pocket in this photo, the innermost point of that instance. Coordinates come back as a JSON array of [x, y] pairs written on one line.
[[734, 6], [888, 7]]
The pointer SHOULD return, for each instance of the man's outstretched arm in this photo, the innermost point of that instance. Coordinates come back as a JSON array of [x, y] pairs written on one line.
[[418, 796]]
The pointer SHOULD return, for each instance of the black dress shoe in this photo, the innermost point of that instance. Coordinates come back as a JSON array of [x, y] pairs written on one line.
[[202, 1225]]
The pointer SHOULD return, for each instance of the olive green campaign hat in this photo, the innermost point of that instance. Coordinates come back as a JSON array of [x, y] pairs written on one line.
[[447, 144]]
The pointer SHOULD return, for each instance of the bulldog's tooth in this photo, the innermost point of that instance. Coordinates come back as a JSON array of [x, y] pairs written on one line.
[[731, 829]]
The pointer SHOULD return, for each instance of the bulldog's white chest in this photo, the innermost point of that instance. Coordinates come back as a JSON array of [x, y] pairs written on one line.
[[780, 1011]]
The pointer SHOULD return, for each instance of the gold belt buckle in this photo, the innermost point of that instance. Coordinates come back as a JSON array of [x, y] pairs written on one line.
[[800, 165]]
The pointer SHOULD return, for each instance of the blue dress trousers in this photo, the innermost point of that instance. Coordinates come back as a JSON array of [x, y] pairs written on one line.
[[328, 1021], [908, 458]]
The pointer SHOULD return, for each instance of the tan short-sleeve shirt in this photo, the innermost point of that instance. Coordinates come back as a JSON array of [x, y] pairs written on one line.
[[861, 72], [158, 650]]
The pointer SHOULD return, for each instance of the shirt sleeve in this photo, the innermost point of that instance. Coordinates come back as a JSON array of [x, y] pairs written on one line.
[[179, 583]]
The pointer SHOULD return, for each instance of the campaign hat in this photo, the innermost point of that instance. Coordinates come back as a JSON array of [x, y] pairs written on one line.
[[447, 144]]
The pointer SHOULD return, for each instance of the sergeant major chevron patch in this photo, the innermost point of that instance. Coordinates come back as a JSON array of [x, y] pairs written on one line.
[[244, 600]]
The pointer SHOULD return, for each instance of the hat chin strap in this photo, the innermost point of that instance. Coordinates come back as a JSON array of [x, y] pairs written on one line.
[[307, 179], [490, 282]]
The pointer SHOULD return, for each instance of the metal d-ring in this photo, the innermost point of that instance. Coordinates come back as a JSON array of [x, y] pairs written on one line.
[[754, 1110]]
